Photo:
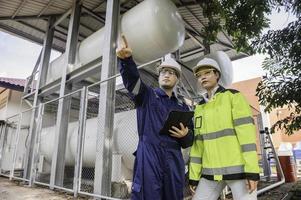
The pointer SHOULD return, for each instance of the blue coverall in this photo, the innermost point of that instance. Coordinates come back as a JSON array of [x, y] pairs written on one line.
[[159, 169]]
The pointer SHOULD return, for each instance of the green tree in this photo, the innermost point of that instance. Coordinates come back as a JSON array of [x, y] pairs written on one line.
[[244, 21], [282, 84]]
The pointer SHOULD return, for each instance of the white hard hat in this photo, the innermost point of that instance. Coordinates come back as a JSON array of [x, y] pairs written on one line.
[[222, 63], [206, 62], [171, 63]]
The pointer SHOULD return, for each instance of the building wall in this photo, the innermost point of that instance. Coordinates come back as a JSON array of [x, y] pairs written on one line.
[[248, 88], [280, 135], [10, 104], [4, 96]]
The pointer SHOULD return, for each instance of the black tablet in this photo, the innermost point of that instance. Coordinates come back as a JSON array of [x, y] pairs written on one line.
[[175, 118]]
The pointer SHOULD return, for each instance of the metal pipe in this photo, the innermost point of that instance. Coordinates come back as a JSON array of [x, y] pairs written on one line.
[[20, 179], [40, 183], [66, 95], [62, 188]]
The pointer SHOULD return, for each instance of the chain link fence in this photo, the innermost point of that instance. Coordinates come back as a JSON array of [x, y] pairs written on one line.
[[9, 144], [87, 171], [21, 144], [124, 142], [47, 139]]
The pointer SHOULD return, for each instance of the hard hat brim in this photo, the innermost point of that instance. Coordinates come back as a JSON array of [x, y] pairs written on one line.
[[170, 66]]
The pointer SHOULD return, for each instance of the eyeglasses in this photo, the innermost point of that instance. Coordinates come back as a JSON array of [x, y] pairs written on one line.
[[203, 73], [163, 72]]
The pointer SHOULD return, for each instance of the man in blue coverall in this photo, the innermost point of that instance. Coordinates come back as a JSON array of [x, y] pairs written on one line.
[[159, 168]]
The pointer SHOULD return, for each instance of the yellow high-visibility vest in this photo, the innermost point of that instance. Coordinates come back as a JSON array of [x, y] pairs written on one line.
[[224, 145]]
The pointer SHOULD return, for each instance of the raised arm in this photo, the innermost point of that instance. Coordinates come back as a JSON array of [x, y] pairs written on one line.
[[129, 73]]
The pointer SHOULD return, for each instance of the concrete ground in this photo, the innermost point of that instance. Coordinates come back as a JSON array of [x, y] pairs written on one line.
[[14, 190]]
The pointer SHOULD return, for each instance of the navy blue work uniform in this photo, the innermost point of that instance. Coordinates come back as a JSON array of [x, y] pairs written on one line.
[[159, 169]]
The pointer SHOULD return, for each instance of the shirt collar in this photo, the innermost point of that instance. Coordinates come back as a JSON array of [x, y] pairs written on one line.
[[215, 90], [162, 93]]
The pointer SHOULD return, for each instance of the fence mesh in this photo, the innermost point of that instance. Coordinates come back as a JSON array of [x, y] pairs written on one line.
[[47, 136], [125, 140], [21, 144], [9, 144]]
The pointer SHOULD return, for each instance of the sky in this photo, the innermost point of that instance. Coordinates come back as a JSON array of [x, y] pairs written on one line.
[[18, 56]]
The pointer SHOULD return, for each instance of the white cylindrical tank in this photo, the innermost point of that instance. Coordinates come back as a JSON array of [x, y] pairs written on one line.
[[125, 140], [153, 28], [47, 143]]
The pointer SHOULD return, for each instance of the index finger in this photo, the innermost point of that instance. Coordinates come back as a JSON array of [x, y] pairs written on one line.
[[124, 41], [182, 125]]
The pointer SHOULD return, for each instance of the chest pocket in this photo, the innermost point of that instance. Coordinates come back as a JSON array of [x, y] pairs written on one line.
[[198, 122]]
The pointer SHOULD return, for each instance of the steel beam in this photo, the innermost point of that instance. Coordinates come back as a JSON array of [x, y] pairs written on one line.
[[218, 40], [27, 36], [61, 18], [103, 162], [94, 15], [62, 29], [65, 15], [194, 38], [103, 1], [23, 17], [45, 8], [29, 170], [58, 156], [39, 30], [19, 8], [80, 140]]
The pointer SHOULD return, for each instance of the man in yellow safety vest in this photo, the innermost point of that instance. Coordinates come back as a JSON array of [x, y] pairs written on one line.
[[224, 148]]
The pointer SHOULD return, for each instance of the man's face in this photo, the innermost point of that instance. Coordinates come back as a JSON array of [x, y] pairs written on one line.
[[207, 77], [167, 78]]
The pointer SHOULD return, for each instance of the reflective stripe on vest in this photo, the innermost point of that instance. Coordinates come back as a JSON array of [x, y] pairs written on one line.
[[248, 147], [243, 120], [224, 170], [196, 160], [215, 135]]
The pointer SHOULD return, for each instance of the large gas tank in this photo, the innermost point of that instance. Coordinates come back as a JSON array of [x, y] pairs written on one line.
[[153, 28], [125, 140]]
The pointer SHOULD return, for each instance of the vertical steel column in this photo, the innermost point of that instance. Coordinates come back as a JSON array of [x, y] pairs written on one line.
[[80, 140], [41, 81], [12, 171], [58, 156], [35, 158], [103, 163]]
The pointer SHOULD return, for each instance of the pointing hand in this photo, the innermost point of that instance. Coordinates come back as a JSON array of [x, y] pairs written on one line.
[[123, 51]]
